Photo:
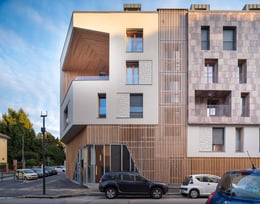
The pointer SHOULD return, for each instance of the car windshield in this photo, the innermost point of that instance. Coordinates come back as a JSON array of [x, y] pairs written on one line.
[[241, 184], [28, 171], [187, 180]]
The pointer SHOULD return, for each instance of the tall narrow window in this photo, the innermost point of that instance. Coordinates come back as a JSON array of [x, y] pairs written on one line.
[[132, 72], [205, 38], [242, 69], [134, 40], [244, 104], [218, 140], [239, 139], [102, 101], [229, 38], [136, 105], [210, 71]]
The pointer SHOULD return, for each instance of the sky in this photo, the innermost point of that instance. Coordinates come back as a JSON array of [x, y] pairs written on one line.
[[32, 34]]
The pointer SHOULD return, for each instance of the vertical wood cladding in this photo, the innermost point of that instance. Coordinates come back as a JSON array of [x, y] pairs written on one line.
[[171, 140]]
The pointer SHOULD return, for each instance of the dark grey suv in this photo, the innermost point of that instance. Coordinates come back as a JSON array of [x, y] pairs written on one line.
[[130, 183]]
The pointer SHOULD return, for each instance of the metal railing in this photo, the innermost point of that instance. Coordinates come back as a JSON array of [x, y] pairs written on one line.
[[213, 110], [91, 78]]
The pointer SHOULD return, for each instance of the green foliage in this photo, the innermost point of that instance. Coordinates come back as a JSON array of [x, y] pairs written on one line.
[[20, 130]]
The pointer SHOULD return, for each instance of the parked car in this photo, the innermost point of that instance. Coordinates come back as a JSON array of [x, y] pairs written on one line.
[[198, 185], [26, 174], [130, 183], [237, 187], [51, 171], [60, 168], [38, 171]]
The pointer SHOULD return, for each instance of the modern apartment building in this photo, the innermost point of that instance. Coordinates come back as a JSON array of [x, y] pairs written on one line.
[[166, 93]]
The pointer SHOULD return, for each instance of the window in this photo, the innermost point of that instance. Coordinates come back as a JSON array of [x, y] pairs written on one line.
[[102, 103], [229, 38], [134, 40], [218, 140], [210, 71], [242, 69], [136, 105], [66, 116], [244, 104], [239, 139], [205, 38], [132, 72], [212, 106]]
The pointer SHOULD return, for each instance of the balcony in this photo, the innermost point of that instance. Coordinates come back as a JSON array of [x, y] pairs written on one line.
[[210, 107], [213, 110], [92, 78]]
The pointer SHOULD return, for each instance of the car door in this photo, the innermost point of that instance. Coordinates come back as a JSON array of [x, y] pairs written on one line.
[[212, 184], [141, 185], [126, 183], [202, 184]]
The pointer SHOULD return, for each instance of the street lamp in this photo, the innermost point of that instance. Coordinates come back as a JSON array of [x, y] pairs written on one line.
[[23, 160], [43, 152]]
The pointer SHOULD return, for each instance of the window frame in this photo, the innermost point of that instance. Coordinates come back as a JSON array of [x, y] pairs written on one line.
[[102, 96], [132, 77], [218, 146], [242, 71], [134, 107], [210, 71], [133, 35], [239, 142], [205, 43], [244, 104], [229, 44]]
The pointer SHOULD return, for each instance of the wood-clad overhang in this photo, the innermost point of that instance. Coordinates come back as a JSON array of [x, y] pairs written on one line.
[[87, 52]]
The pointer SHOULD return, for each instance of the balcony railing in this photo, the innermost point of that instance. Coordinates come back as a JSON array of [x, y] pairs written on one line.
[[213, 110], [92, 78]]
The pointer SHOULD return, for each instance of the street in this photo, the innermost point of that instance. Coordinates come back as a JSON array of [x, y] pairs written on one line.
[[60, 190], [101, 200]]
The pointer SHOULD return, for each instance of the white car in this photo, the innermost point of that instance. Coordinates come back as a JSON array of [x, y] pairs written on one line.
[[60, 168], [198, 185]]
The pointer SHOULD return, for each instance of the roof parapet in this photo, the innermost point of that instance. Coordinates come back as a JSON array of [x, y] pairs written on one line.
[[132, 7], [201, 7], [250, 7]]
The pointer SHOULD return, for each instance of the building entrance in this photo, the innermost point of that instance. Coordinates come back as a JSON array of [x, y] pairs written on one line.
[[94, 160]]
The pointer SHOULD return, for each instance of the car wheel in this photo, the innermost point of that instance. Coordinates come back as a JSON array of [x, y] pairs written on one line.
[[111, 192], [156, 193], [194, 193]]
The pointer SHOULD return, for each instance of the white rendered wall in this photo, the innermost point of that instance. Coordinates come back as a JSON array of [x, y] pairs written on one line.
[[199, 142]]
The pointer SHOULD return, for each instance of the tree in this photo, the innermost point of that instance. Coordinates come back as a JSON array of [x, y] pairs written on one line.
[[20, 130], [54, 149]]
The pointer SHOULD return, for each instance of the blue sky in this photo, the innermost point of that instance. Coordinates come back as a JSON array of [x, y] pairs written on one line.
[[32, 33]]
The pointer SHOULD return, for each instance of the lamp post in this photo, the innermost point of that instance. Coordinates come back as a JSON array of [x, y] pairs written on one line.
[[43, 152], [23, 160]]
